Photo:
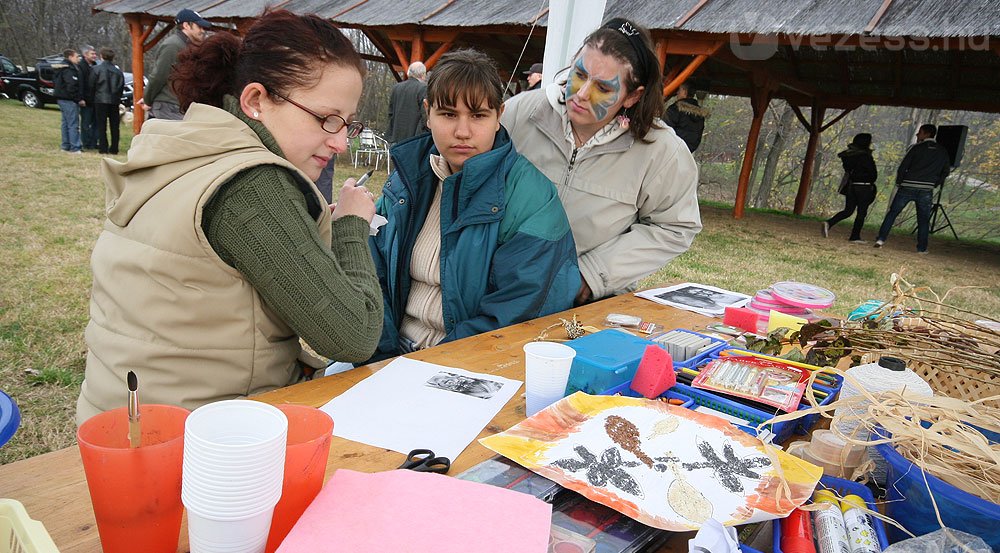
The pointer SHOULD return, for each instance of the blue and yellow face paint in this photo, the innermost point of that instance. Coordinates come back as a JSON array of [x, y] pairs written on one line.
[[601, 95]]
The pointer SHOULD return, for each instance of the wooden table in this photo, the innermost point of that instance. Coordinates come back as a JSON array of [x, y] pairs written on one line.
[[53, 489]]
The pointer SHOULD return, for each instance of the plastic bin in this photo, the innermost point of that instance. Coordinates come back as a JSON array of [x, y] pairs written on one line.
[[604, 360], [20, 534], [10, 418], [844, 487], [909, 504]]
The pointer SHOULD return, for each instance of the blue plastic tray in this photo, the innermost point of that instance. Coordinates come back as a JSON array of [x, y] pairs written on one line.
[[843, 487]]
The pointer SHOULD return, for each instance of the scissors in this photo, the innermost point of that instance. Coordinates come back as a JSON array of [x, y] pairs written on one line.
[[423, 460]]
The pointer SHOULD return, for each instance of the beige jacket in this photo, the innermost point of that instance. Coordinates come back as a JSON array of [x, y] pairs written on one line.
[[633, 206], [163, 303]]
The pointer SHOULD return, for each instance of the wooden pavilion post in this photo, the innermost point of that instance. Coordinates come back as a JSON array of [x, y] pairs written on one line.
[[815, 128], [758, 101], [138, 31]]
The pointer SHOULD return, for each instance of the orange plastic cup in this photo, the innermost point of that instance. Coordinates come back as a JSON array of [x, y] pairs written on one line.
[[136, 493], [309, 433]]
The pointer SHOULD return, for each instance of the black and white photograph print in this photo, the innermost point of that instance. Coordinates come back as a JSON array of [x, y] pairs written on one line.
[[467, 385], [696, 297]]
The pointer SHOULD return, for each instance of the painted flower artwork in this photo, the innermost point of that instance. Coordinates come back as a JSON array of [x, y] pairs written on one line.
[[662, 465]]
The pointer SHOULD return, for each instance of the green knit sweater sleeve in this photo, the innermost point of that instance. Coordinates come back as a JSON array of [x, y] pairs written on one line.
[[258, 223]]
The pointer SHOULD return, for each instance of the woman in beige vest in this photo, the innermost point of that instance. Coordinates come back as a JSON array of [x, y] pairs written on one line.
[[219, 253]]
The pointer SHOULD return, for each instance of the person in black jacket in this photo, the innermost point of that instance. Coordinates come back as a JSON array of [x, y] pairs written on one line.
[[107, 82], [687, 117], [857, 186], [69, 95], [88, 116], [923, 169]]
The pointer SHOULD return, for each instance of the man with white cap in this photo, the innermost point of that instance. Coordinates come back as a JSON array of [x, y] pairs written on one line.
[[159, 96]]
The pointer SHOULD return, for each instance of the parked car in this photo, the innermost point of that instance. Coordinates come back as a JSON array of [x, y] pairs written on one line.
[[34, 86]]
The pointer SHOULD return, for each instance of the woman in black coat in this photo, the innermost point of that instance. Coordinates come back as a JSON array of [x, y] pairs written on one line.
[[858, 185]]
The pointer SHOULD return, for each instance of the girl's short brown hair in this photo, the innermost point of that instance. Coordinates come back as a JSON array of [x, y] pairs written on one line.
[[467, 75]]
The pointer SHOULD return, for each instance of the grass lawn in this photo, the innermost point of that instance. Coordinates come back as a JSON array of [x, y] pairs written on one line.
[[51, 210]]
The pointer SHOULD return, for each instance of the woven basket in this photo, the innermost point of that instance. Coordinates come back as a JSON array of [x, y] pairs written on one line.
[[949, 380]]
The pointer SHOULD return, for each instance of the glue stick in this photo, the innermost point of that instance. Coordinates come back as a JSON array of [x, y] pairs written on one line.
[[859, 529], [831, 532]]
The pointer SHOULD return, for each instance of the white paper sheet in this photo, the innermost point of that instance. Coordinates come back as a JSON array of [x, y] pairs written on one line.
[[700, 298], [412, 404]]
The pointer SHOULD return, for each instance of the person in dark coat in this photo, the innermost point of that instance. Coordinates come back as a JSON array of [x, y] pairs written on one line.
[[69, 95], [88, 116], [687, 117], [407, 116], [107, 81], [857, 185], [923, 169]]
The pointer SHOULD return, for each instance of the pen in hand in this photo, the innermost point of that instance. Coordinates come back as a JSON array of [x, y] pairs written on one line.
[[364, 178]]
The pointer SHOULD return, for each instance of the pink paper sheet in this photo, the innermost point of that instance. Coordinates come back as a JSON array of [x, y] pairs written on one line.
[[407, 511]]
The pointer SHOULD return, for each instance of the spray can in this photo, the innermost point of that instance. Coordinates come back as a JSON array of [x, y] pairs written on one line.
[[831, 532], [860, 531]]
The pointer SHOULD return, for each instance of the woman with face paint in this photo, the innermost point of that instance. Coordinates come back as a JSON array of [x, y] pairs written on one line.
[[476, 237], [628, 183]]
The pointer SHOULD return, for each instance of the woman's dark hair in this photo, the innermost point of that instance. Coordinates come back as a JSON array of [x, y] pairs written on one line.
[[862, 140], [469, 75], [281, 51], [631, 44]]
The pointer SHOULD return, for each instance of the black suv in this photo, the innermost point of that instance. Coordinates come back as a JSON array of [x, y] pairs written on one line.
[[34, 87]]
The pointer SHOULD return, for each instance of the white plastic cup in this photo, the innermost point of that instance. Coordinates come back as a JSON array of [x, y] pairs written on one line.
[[209, 534], [236, 425], [546, 372]]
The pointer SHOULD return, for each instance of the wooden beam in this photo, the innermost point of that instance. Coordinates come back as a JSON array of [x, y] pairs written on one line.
[[691, 13], [815, 125], [136, 31], [404, 60], [759, 100], [839, 116], [691, 47], [672, 85], [347, 9], [802, 118], [878, 16], [417, 48], [661, 53], [148, 45], [438, 10], [442, 50]]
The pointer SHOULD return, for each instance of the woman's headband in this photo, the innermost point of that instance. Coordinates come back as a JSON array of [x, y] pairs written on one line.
[[634, 37]]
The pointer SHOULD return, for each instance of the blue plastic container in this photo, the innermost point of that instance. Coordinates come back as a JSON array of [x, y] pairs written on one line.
[[604, 360], [909, 503], [10, 418], [843, 487]]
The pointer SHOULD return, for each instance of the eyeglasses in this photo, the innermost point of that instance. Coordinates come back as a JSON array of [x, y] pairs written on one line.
[[331, 123]]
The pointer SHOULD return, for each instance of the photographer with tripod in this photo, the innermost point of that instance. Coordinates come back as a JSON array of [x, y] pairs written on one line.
[[923, 169]]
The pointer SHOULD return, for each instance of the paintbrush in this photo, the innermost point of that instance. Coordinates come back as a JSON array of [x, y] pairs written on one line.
[[134, 431]]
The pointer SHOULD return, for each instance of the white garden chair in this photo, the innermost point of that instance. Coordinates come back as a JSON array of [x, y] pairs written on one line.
[[371, 144]]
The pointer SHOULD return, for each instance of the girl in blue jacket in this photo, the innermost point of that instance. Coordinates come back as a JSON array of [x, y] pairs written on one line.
[[477, 238]]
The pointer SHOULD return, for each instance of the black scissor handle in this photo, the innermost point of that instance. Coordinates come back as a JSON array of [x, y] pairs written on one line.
[[423, 460]]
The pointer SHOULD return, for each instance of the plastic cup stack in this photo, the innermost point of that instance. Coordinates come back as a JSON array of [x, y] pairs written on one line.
[[234, 458], [546, 371]]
